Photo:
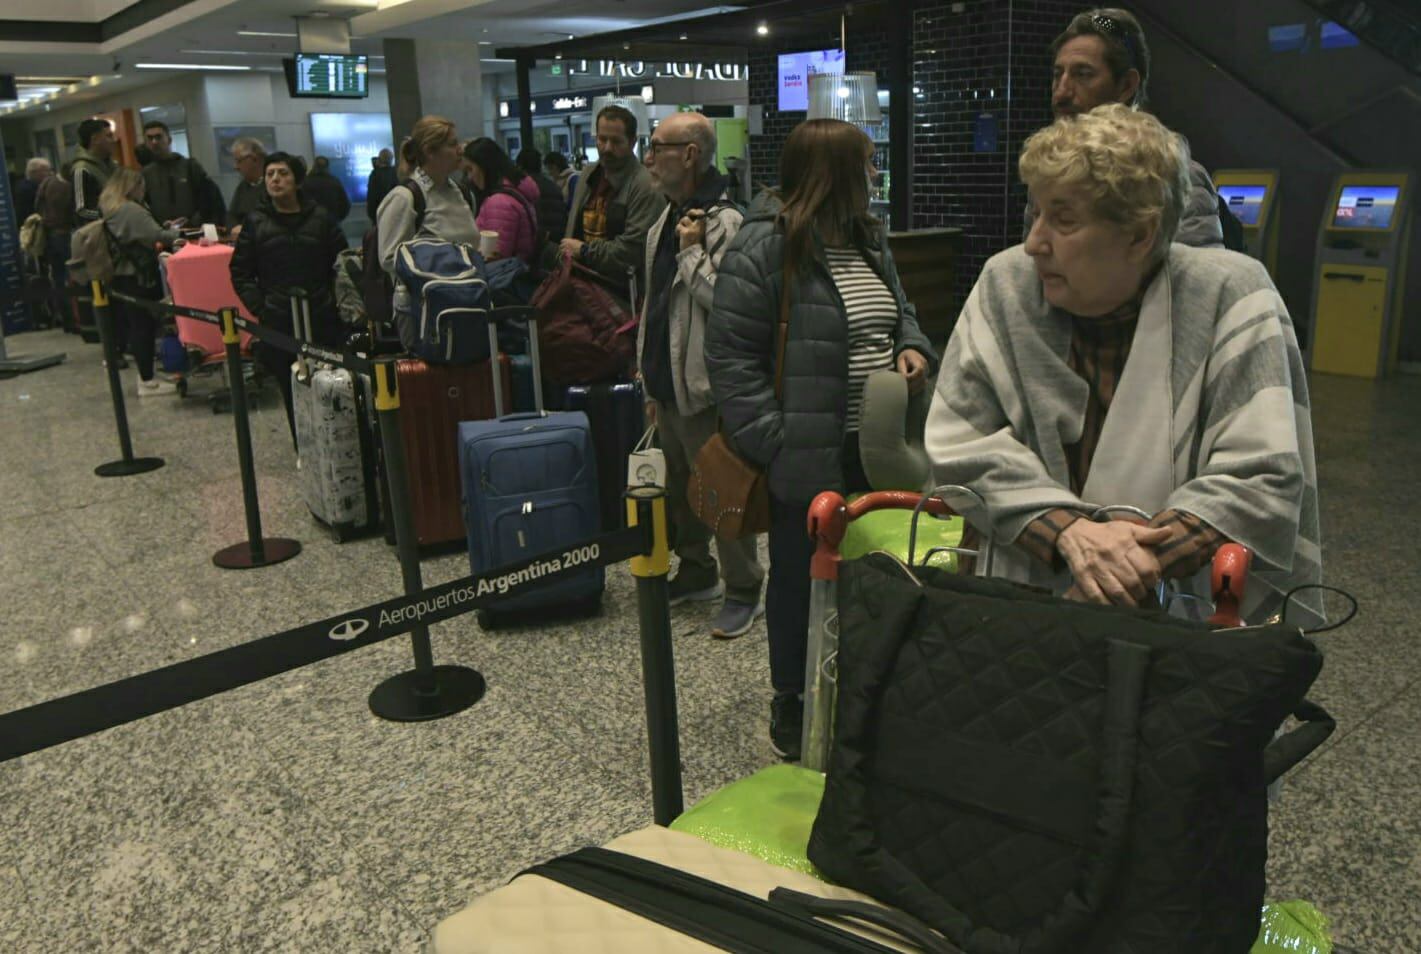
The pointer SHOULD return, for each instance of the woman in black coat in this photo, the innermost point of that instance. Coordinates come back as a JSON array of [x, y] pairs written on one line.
[[288, 243]]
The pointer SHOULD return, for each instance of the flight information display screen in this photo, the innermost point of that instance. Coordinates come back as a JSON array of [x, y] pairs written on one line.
[[329, 75], [1244, 201], [1366, 207]]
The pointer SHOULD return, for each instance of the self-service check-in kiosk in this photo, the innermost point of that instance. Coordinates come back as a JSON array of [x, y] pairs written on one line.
[[1361, 274], [1250, 195]]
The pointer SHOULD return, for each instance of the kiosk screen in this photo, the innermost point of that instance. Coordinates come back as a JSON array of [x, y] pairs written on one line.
[[1244, 201], [1366, 207]]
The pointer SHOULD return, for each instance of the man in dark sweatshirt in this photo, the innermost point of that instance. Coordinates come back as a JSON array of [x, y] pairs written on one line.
[[177, 185], [93, 164]]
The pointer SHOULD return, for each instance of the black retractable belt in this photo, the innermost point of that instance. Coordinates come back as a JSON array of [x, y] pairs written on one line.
[[724, 916]]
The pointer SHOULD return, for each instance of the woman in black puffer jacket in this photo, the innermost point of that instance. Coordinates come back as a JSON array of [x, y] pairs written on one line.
[[288, 243]]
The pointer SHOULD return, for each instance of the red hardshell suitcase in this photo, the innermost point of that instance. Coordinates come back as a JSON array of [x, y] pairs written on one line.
[[433, 400]]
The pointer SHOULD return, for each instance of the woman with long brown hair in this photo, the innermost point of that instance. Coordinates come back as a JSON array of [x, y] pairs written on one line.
[[811, 247]]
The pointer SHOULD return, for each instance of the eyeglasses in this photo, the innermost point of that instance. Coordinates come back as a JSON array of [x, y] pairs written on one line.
[[656, 147], [1112, 27]]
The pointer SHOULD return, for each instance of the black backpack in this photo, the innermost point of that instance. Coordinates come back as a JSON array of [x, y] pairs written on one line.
[[1038, 776], [377, 288]]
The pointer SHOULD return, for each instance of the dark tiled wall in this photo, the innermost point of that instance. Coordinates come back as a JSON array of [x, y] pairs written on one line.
[[867, 51], [992, 58]]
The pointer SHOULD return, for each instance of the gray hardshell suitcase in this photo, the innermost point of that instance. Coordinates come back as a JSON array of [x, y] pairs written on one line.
[[334, 440]]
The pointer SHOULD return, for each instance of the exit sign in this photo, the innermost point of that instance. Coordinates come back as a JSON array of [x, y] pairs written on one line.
[[556, 69]]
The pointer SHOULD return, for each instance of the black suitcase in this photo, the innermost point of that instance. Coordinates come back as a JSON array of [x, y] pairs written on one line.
[[617, 415]]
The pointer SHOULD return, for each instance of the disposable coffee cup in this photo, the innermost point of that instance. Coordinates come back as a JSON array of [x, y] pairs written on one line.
[[488, 242]]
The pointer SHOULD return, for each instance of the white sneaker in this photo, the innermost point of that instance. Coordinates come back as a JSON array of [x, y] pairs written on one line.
[[155, 387]]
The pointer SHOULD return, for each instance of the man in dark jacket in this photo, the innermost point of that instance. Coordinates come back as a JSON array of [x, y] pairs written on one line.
[[1102, 57], [288, 243], [552, 205], [326, 190], [383, 178], [93, 164], [614, 205], [178, 188]]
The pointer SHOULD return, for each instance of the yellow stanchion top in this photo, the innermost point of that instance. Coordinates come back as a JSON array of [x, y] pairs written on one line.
[[101, 295], [386, 397], [229, 326], [658, 561]]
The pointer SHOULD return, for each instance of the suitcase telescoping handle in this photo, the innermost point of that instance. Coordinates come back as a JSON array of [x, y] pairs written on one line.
[[301, 324], [530, 315]]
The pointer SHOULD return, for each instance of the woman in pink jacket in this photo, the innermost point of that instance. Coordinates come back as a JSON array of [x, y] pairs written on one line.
[[508, 199]]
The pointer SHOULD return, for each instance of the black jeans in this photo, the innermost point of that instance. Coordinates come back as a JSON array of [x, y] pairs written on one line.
[[787, 598], [135, 325]]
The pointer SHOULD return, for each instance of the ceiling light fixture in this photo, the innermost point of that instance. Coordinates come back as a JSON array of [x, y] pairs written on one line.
[[186, 66], [262, 33], [763, 29], [683, 36]]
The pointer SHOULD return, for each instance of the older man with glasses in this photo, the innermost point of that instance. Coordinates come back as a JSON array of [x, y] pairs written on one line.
[[683, 252], [249, 155]]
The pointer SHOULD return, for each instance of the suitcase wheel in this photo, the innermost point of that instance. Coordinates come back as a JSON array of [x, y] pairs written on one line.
[[488, 620]]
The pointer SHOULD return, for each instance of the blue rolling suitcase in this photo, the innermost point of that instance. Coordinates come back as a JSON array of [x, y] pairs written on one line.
[[530, 487]]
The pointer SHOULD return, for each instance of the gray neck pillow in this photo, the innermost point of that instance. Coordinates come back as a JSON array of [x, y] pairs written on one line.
[[891, 430]]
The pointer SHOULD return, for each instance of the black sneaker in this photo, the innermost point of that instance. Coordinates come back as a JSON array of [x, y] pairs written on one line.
[[786, 724], [687, 588]]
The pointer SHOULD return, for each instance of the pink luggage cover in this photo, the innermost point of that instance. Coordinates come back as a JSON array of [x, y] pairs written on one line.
[[199, 277]]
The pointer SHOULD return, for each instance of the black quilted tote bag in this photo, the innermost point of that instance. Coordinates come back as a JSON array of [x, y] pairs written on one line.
[[1035, 776]]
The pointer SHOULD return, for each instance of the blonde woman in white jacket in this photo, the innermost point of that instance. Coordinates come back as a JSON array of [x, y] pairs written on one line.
[[137, 236]]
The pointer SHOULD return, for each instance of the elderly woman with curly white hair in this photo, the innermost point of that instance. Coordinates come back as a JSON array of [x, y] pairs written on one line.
[[1098, 364]]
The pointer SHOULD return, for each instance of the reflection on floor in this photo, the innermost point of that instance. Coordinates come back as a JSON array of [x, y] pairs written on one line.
[[283, 816]]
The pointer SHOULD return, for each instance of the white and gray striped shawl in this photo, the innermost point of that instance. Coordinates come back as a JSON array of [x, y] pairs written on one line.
[[1210, 417]]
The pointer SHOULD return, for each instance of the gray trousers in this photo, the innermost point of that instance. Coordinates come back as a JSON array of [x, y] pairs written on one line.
[[681, 439]]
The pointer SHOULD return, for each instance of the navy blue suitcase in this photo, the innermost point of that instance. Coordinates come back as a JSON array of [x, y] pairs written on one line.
[[617, 414], [530, 487]]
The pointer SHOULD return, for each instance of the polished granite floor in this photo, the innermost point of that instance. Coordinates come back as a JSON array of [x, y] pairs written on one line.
[[283, 816]]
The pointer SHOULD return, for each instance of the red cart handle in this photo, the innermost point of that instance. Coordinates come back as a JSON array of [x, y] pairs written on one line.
[[1230, 580], [830, 516]]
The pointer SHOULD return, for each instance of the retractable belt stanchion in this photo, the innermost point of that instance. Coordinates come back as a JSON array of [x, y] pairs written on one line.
[[647, 505], [256, 551], [128, 465], [427, 691]]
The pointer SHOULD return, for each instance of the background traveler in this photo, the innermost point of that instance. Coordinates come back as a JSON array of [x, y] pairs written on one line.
[[93, 164], [507, 199], [55, 205], [326, 190], [382, 179], [814, 240], [555, 164], [552, 201], [249, 155], [37, 170], [684, 248]]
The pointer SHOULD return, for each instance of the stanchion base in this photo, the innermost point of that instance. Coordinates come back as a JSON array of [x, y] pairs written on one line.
[[239, 555], [127, 468], [399, 698]]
